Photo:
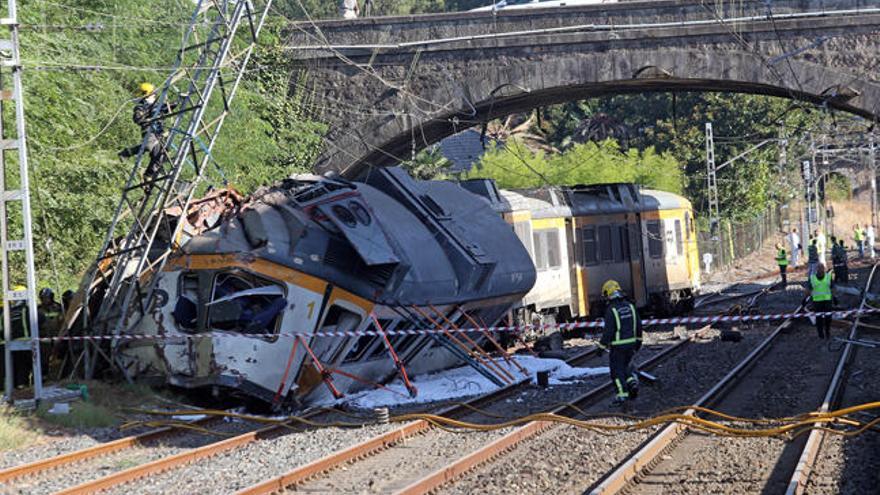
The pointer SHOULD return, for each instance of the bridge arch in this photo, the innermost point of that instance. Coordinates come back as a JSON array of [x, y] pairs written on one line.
[[406, 97]]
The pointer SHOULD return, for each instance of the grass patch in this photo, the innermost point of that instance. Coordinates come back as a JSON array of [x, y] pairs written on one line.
[[82, 415], [15, 430]]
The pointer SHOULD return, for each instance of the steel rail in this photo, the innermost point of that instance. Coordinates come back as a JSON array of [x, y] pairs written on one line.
[[386, 440], [61, 460], [488, 452], [797, 485], [180, 459], [617, 479], [209, 450], [629, 469]]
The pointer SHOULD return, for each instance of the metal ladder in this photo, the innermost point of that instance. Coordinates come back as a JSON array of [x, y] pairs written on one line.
[[15, 212], [197, 111]]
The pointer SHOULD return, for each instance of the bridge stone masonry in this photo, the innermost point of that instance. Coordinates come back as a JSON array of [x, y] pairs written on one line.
[[389, 87]]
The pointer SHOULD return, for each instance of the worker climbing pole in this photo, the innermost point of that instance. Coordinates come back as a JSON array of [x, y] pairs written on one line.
[[191, 106]]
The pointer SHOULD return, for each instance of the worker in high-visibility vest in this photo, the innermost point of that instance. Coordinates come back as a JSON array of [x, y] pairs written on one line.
[[859, 238], [820, 295], [782, 261], [623, 337]]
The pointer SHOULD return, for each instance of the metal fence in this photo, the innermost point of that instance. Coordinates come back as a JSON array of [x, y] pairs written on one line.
[[737, 240]]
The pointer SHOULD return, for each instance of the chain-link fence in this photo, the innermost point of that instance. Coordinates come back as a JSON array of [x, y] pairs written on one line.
[[736, 240]]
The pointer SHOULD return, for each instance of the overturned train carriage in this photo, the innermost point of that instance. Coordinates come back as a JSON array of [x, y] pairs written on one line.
[[316, 254]]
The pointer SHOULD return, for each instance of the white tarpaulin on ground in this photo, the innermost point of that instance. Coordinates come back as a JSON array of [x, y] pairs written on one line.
[[465, 381]]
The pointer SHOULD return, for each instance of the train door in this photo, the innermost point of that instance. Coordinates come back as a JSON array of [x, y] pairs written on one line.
[[341, 311], [636, 260], [576, 306], [692, 252], [653, 253]]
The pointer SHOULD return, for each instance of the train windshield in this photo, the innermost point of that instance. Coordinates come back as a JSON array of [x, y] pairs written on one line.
[[245, 304]]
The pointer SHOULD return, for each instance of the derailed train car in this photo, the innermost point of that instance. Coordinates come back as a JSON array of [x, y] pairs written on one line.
[[315, 254], [579, 237]]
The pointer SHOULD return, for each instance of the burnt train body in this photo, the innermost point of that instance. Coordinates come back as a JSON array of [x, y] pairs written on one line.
[[317, 254]]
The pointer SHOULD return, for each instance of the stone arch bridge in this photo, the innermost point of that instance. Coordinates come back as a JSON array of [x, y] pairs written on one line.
[[390, 86]]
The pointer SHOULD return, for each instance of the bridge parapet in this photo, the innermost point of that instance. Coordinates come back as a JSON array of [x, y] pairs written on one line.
[[408, 29]]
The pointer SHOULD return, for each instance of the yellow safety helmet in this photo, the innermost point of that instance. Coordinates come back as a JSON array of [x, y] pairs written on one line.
[[146, 88], [610, 287], [19, 288]]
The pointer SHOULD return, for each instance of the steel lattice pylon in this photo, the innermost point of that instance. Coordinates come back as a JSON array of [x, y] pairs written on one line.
[[216, 48], [11, 63]]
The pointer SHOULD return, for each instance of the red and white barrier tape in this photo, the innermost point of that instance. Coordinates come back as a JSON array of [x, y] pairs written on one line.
[[700, 320]]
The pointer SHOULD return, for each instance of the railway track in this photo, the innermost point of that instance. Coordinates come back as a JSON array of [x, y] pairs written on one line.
[[788, 373], [113, 464], [403, 454], [806, 476], [86, 468]]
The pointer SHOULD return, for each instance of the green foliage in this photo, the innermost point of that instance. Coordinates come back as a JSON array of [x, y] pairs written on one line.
[[82, 415], [675, 125], [838, 188], [79, 119], [429, 164], [516, 167]]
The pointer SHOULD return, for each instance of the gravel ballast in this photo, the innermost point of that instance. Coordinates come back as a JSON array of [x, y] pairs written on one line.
[[567, 459], [852, 465], [790, 379], [72, 475]]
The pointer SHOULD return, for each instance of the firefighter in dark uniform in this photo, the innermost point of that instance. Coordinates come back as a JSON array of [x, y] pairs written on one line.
[[152, 130], [22, 362], [622, 337], [50, 314]]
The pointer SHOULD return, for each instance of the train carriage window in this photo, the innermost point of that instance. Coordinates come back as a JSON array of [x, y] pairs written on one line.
[[688, 227], [655, 239], [679, 241], [547, 251], [606, 249], [621, 246], [244, 303], [360, 347], [523, 232], [635, 250], [554, 260], [186, 310], [540, 242], [338, 319], [589, 254], [377, 348]]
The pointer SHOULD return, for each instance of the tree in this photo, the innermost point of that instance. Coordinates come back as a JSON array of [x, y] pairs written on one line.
[[515, 166]]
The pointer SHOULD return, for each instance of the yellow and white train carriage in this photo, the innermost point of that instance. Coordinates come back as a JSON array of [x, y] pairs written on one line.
[[578, 237]]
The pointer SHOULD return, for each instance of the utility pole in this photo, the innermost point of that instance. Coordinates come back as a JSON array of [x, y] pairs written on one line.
[[872, 165], [807, 171], [16, 190], [712, 181], [712, 186]]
